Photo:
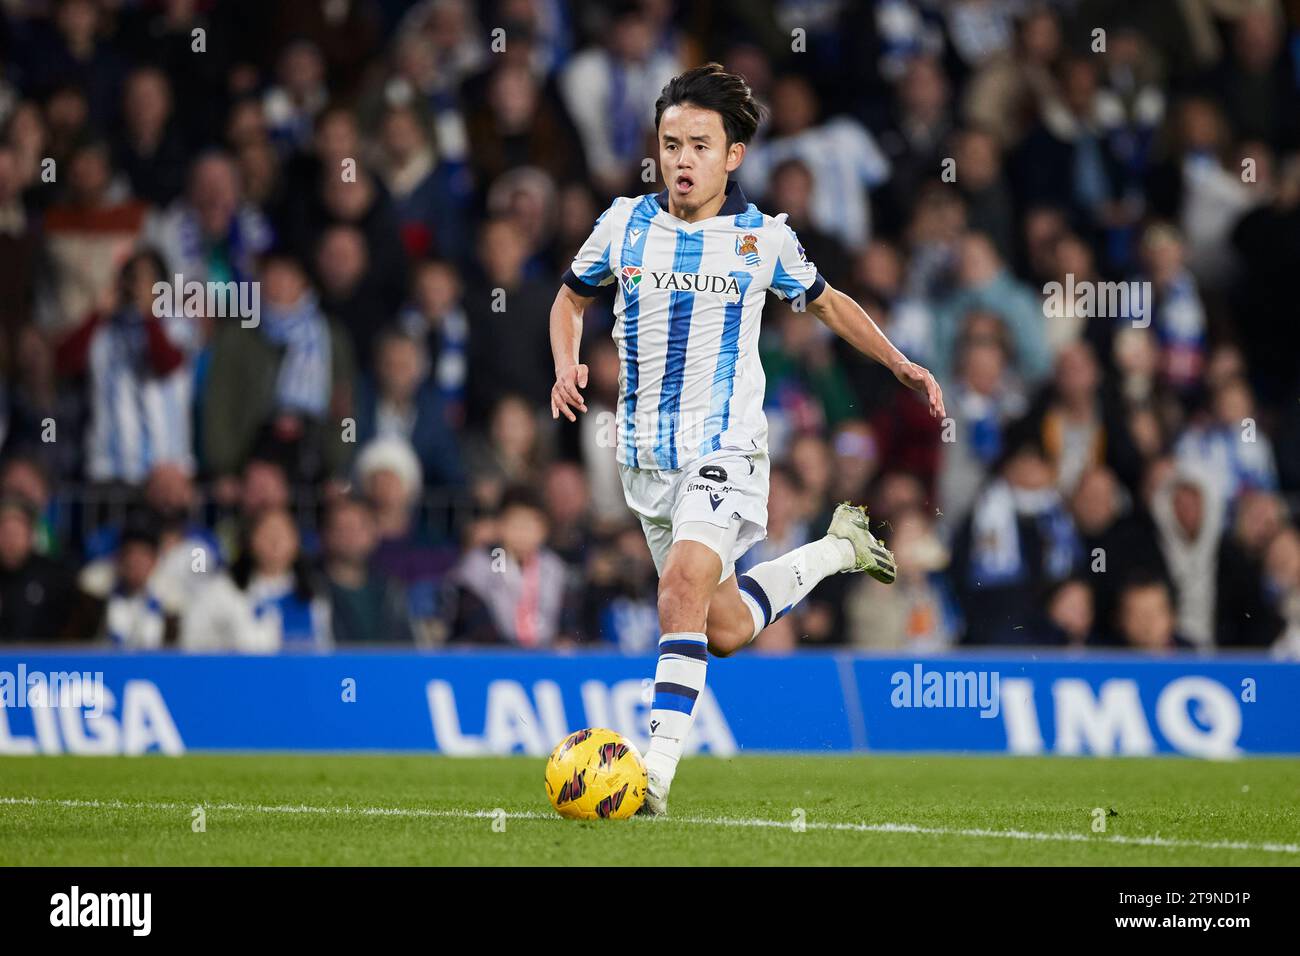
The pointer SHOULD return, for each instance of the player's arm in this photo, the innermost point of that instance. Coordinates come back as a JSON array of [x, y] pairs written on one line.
[[566, 335], [582, 283], [850, 322]]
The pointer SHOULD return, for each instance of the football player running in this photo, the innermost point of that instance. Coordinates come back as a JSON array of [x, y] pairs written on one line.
[[692, 265]]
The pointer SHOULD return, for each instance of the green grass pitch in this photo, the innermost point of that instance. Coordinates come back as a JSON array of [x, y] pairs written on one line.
[[766, 810]]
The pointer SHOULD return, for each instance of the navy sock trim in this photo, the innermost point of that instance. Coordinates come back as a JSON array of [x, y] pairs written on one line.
[[755, 590], [691, 649]]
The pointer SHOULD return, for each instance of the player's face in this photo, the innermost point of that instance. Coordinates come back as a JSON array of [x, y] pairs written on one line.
[[694, 156]]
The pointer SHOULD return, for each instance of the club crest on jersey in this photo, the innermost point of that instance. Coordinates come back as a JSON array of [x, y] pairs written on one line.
[[631, 278], [747, 246]]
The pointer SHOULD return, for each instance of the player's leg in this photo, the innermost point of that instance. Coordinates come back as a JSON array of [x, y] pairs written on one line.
[[686, 585], [731, 622], [742, 606]]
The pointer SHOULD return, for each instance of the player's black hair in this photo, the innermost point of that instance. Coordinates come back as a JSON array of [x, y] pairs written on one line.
[[710, 87]]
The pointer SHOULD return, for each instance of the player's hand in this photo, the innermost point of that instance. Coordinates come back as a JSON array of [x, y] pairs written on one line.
[[565, 391], [918, 379]]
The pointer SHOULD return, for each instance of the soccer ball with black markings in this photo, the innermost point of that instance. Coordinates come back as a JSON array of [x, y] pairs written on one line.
[[596, 774]]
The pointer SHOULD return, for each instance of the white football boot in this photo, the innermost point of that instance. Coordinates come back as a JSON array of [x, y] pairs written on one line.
[[656, 797], [850, 523]]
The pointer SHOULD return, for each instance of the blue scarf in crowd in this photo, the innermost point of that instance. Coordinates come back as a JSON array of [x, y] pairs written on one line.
[[304, 381], [996, 557]]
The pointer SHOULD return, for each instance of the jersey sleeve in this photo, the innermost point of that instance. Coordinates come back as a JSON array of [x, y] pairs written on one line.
[[590, 269], [794, 272]]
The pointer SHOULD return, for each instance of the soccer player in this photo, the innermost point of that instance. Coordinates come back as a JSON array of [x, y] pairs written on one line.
[[692, 264]]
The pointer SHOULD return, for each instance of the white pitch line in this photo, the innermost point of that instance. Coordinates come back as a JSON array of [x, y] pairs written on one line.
[[751, 822]]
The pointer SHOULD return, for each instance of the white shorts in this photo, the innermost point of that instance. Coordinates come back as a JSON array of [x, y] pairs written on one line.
[[719, 500]]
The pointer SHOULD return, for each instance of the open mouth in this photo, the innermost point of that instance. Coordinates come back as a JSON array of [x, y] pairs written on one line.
[[684, 184]]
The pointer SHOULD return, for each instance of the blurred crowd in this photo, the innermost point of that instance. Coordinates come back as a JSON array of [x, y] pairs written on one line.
[[374, 461]]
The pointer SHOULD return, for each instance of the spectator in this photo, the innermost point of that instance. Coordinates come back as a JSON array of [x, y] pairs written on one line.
[[806, 389], [1120, 542], [509, 324], [211, 234], [521, 123], [1229, 448], [1282, 584], [879, 272], [23, 476], [402, 400], [429, 197], [1190, 524], [518, 593], [1176, 314], [510, 453], [366, 606], [1070, 614], [39, 405], [435, 317], [1079, 425], [137, 356], [787, 522], [841, 154], [1013, 84], [526, 198], [71, 48], [856, 461], [918, 612], [1146, 618], [1018, 541], [292, 104], [568, 512], [984, 284], [1257, 78], [1267, 243], [1244, 615], [189, 555], [598, 434], [362, 206], [606, 92], [149, 148], [618, 605], [914, 144], [87, 235], [288, 381], [985, 400], [20, 249], [267, 601], [117, 602], [988, 198], [388, 474], [791, 190], [36, 592]]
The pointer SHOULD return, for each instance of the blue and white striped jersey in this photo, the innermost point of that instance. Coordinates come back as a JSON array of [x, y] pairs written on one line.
[[688, 306]]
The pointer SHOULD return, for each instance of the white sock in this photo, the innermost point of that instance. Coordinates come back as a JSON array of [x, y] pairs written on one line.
[[679, 681], [770, 589]]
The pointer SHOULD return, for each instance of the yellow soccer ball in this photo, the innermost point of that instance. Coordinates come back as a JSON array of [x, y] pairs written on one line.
[[595, 774]]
